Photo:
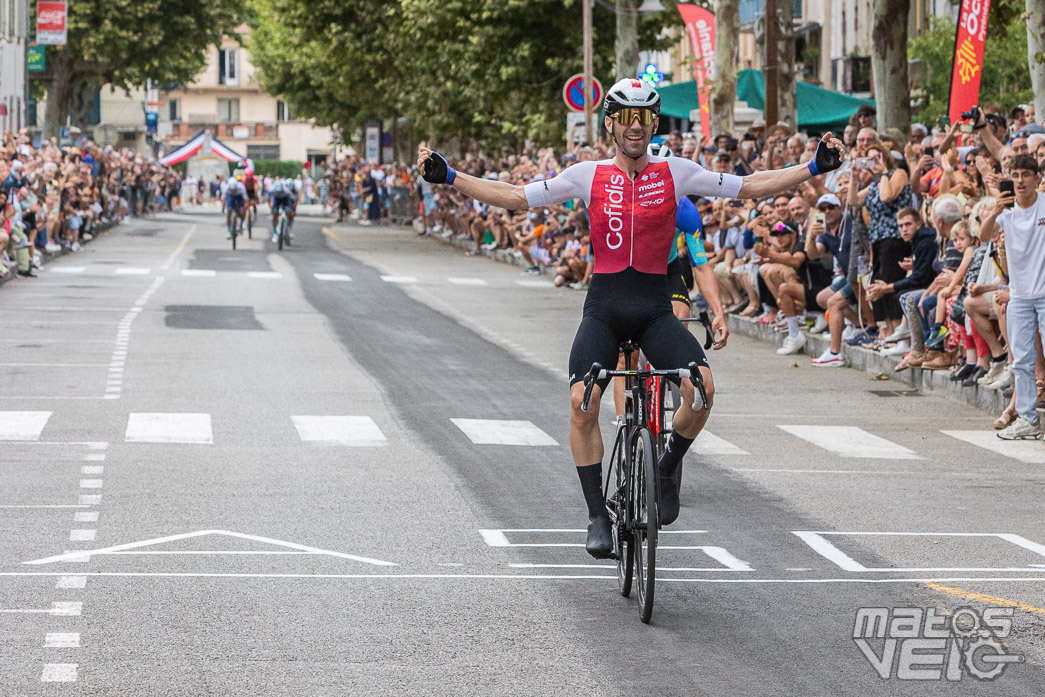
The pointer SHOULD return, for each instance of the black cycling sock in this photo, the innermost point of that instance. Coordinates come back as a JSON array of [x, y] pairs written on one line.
[[591, 485], [673, 453], [999, 359]]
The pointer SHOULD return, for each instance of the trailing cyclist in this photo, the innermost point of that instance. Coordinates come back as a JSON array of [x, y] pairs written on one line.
[[632, 202], [284, 197], [235, 200]]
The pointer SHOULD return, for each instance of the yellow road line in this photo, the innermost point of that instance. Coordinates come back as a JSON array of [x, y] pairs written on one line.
[[984, 598], [329, 233]]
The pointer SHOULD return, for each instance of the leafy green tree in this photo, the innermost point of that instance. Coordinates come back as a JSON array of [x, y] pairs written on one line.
[[467, 71], [124, 42], [1005, 77]]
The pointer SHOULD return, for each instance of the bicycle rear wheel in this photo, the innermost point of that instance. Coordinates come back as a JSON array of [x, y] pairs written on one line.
[[617, 505], [235, 229], [282, 231], [645, 516], [250, 222]]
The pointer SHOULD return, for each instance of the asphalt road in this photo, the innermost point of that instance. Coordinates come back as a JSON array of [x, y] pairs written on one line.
[[343, 469]]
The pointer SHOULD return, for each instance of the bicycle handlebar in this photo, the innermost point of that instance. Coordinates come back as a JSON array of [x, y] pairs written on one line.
[[597, 373], [704, 319]]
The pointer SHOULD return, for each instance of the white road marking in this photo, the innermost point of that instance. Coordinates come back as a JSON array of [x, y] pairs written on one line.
[[91, 499], [68, 269], [78, 555], [23, 425], [86, 517], [850, 441], [399, 279], [59, 609], [729, 563], [46, 506], [339, 430], [132, 271], [62, 640], [94, 457], [82, 535], [708, 443], [169, 428], [331, 277], [177, 250], [92, 469], [91, 483], [467, 281], [818, 542], [534, 284], [71, 582], [59, 672], [199, 273], [540, 577], [797, 471], [503, 432], [1029, 451], [264, 274]]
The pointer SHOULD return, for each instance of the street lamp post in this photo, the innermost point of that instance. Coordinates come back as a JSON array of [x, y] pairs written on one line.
[[586, 87]]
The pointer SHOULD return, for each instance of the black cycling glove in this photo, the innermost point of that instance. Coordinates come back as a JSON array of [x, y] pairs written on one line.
[[826, 159], [437, 171]]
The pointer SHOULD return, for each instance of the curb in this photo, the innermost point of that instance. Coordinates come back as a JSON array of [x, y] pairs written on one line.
[[934, 382]]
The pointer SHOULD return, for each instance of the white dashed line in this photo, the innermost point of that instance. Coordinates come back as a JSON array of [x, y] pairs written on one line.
[[23, 425], [331, 277], [264, 274], [502, 432], [68, 269], [199, 273], [71, 582], [399, 279], [92, 469], [82, 535], [339, 430], [467, 281], [132, 271], [86, 517], [62, 640], [90, 483], [169, 428]]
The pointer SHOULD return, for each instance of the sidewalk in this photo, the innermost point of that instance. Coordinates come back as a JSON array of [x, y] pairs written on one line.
[[49, 257], [933, 382]]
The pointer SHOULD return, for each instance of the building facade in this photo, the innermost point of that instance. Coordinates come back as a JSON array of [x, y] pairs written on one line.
[[14, 34], [226, 99]]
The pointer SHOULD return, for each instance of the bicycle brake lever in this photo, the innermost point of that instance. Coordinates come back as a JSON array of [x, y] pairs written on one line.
[[589, 385], [698, 383], [709, 333]]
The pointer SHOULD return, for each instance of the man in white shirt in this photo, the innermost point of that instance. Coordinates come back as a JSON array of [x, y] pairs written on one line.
[[1024, 227]]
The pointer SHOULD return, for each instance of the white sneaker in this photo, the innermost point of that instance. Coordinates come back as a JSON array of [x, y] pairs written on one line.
[[275, 239], [87, 237], [792, 344], [898, 350], [1020, 429], [828, 360], [849, 332], [52, 247], [1006, 380], [995, 371], [902, 332], [75, 247], [820, 325]]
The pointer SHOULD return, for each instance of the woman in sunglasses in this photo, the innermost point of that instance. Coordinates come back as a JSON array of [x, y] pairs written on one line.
[[631, 201]]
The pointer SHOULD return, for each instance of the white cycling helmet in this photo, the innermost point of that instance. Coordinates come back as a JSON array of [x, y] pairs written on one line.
[[659, 150], [631, 93]]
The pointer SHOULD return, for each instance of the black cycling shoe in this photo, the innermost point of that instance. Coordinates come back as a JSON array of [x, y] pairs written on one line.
[[961, 373], [600, 537], [975, 375], [669, 497]]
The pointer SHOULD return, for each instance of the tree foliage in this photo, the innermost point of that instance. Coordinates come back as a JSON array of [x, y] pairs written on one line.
[[1005, 77], [467, 70], [124, 42]]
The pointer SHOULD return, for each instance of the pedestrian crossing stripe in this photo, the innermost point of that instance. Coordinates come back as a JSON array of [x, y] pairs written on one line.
[[169, 428], [201, 273], [339, 430], [850, 441], [707, 443], [264, 274], [331, 277], [534, 284], [67, 269], [467, 281], [503, 432], [1030, 451], [23, 425], [399, 279], [132, 271]]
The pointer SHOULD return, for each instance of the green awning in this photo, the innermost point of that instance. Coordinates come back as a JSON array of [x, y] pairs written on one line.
[[818, 109]]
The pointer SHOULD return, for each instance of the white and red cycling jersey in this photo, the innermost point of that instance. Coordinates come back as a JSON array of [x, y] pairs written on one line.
[[632, 222]]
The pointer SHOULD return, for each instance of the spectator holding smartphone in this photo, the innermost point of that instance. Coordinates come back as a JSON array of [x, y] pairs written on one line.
[[1021, 215]]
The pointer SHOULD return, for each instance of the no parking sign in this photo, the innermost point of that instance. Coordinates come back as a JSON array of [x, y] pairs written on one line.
[[573, 93]]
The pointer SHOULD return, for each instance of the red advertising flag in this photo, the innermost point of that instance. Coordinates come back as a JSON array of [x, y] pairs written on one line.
[[968, 57], [700, 26], [50, 22]]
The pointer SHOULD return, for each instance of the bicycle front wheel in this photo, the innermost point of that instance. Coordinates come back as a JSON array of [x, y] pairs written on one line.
[[645, 516], [282, 231], [250, 223], [616, 495]]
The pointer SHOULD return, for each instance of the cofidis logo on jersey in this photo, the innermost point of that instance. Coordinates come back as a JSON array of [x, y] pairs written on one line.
[[614, 210]]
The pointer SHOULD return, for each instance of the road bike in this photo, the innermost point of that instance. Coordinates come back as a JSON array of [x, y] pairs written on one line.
[[283, 229], [237, 227], [631, 487], [251, 217]]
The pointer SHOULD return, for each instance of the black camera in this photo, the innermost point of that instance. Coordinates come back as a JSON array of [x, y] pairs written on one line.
[[973, 114], [731, 144]]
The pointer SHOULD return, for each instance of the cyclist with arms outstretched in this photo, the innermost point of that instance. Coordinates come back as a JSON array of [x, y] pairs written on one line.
[[631, 202]]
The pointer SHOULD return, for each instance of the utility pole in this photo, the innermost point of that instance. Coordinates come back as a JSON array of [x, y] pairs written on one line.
[[588, 82], [769, 70], [627, 63]]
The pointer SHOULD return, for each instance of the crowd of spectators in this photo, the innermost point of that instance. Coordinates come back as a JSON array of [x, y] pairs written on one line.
[[902, 250], [54, 197]]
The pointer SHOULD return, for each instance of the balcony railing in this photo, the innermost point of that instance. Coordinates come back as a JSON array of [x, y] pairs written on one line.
[[250, 130]]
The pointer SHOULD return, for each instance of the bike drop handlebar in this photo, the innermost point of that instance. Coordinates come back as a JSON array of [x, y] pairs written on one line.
[[704, 319], [597, 373]]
